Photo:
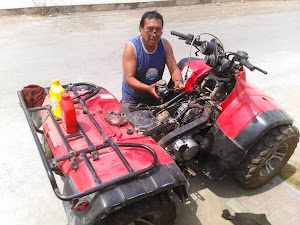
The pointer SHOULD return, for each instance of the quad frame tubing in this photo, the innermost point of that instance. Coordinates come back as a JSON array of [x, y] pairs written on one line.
[[83, 153]]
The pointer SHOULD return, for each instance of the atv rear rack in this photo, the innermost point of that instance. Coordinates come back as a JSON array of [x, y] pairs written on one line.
[[71, 156]]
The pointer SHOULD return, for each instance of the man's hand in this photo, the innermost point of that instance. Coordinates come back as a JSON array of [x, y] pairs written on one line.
[[178, 86], [152, 91]]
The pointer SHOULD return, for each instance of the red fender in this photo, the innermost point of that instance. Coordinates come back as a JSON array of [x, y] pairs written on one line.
[[193, 73], [243, 104]]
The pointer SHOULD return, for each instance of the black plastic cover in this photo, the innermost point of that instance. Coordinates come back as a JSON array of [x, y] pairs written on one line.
[[226, 153], [161, 178]]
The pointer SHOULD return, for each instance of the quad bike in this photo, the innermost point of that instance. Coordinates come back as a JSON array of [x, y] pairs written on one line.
[[219, 119], [111, 174], [121, 168]]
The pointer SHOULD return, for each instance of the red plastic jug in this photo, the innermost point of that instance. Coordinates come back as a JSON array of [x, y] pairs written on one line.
[[68, 114]]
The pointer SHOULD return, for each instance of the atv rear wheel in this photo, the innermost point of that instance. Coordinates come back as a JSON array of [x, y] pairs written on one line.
[[49, 155], [156, 210], [268, 156], [46, 148]]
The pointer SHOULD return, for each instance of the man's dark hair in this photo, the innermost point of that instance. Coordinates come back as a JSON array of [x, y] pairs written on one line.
[[151, 15]]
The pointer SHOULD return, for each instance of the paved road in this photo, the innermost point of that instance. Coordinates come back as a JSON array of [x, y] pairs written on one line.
[[88, 47]]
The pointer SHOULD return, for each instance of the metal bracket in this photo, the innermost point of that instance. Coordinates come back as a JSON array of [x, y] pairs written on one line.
[[74, 164], [95, 156]]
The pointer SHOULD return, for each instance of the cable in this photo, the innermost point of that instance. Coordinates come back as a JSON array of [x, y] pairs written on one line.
[[185, 76], [215, 38], [188, 67]]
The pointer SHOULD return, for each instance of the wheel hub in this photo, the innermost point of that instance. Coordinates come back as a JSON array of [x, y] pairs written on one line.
[[274, 160]]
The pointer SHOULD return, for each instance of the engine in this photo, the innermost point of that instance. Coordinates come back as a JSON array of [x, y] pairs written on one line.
[[180, 124], [174, 127]]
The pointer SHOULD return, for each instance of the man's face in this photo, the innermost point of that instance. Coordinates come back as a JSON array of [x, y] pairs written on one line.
[[151, 32]]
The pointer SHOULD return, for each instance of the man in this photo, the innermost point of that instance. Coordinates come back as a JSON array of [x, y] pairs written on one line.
[[144, 60]]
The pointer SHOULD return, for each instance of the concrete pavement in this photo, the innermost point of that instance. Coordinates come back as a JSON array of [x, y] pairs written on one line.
[[278, 200], [76, 49]]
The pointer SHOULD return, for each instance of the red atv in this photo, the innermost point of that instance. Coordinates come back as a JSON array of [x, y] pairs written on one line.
[[111, 174], [220, 120], [119, 168]]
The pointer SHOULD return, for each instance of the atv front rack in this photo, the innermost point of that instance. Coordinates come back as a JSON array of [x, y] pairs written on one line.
[[71, 156]]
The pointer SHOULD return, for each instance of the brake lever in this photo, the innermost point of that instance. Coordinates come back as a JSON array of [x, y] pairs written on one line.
[[242, 57]]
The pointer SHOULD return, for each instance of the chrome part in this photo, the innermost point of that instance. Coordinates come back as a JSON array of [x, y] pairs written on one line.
[[274, 160], [183, 149]]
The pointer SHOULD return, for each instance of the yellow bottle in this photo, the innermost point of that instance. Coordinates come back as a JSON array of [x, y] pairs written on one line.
[[55, 96]]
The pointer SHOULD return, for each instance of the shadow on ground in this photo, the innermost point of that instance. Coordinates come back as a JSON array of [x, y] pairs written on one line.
[[210, 197]]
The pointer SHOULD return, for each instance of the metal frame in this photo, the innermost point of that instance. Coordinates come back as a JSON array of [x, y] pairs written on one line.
[[83, 153]]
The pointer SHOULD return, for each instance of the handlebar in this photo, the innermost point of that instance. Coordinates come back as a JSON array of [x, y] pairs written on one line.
[[247, 64], [189, 38], [250, 66], [215, 50], [180, 35]]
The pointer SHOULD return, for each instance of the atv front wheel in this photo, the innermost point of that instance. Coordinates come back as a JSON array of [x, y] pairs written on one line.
[[156, 210], [268, 156]]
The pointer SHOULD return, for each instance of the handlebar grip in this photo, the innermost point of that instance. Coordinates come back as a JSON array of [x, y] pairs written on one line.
[[247, 64], [183, 36]]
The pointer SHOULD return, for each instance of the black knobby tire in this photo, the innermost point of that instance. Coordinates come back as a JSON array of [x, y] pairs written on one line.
[[46, 148], [156, 210], [49, 155], [267, 157]]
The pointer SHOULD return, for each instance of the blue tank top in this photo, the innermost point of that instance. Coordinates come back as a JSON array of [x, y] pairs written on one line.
[[150, 68]]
